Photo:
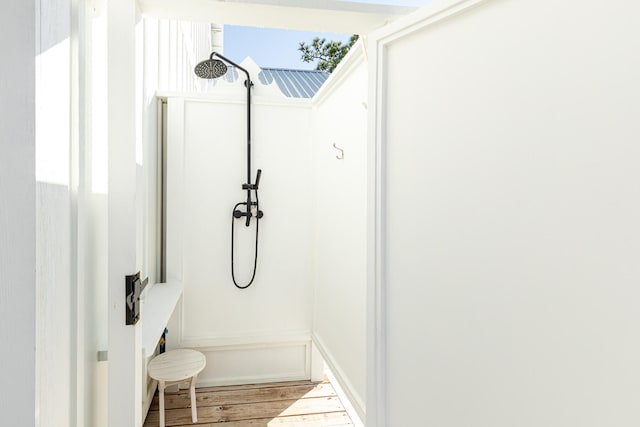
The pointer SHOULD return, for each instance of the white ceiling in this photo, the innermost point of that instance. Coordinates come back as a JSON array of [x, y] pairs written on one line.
[[307, 15]]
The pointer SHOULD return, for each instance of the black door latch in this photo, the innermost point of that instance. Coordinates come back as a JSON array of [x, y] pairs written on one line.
[[133, 289]]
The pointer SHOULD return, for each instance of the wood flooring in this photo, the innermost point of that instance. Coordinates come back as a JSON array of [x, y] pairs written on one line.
[[285, 404]]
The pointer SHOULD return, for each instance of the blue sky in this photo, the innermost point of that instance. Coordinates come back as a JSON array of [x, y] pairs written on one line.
[[271, 48], [276, 48]]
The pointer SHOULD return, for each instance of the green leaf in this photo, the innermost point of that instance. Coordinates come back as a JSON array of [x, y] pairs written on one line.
[[327, 53]]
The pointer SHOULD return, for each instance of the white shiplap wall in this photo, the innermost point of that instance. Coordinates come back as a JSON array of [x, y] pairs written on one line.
[[17, 217]]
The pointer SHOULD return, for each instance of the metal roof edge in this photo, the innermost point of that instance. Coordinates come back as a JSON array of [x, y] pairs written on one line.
[[293, 69]]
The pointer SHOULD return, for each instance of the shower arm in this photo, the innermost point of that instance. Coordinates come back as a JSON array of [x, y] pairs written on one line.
[[248, 186]]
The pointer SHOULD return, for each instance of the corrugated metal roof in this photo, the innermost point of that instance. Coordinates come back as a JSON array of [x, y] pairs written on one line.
[[292, 83]]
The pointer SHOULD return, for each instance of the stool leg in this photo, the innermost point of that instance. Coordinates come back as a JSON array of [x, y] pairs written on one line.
[[194, 410], [161, 386]]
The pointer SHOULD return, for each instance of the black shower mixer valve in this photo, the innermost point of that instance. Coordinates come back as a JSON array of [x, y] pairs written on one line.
[[254, 212]]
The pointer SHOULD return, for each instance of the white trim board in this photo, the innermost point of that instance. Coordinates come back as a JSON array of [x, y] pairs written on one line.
[[422, 18], [237, 98], [348, 406], [243, 342], [345, 385]]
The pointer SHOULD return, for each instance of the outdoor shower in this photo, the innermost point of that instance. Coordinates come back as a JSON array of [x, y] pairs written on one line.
[[212, 69]]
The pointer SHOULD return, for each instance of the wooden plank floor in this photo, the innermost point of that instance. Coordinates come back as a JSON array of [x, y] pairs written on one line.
[[288, 404]]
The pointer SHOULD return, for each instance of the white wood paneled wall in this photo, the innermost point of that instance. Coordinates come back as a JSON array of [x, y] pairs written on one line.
[[339, 215], [505, 145], [17, 216], [262, 333]]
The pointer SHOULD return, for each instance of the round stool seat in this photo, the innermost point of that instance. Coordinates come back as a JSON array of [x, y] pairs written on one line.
[[176, 365]]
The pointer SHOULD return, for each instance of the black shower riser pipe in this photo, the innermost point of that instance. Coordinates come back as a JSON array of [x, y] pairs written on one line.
[[214, 69]]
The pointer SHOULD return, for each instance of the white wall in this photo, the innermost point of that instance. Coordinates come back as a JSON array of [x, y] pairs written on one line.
[[339, 213], [71, 161], [311, 278], [510, 216], [17, 216], [71, 214], [261, 333], [180, 46], [62, 49]]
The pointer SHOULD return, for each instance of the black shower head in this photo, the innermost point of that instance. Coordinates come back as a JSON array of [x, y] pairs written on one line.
[[214, 68], [211, 69]]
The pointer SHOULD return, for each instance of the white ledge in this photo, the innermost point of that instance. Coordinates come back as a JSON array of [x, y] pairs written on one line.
[[157, 307]]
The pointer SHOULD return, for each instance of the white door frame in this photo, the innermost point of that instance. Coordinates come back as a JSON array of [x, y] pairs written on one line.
[[125, 362]]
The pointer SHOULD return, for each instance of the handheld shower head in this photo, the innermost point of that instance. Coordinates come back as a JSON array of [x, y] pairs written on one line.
[[210, 69]]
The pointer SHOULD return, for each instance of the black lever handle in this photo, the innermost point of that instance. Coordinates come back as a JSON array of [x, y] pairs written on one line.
[[239, 214]]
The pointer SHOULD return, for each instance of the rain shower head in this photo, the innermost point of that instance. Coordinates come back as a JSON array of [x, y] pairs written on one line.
[[211, 69], [214, 68]]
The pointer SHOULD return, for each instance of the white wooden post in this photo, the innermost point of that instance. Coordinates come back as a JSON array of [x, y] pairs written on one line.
[[125, 388]]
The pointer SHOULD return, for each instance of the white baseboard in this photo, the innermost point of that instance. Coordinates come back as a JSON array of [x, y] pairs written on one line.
[[147, 398], [253, 360], [204, 382], [354, 400]]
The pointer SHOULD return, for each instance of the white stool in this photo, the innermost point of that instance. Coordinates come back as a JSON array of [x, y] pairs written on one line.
[[174, 367]]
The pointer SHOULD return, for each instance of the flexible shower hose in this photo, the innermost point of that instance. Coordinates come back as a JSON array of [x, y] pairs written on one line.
[[255, 258]]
